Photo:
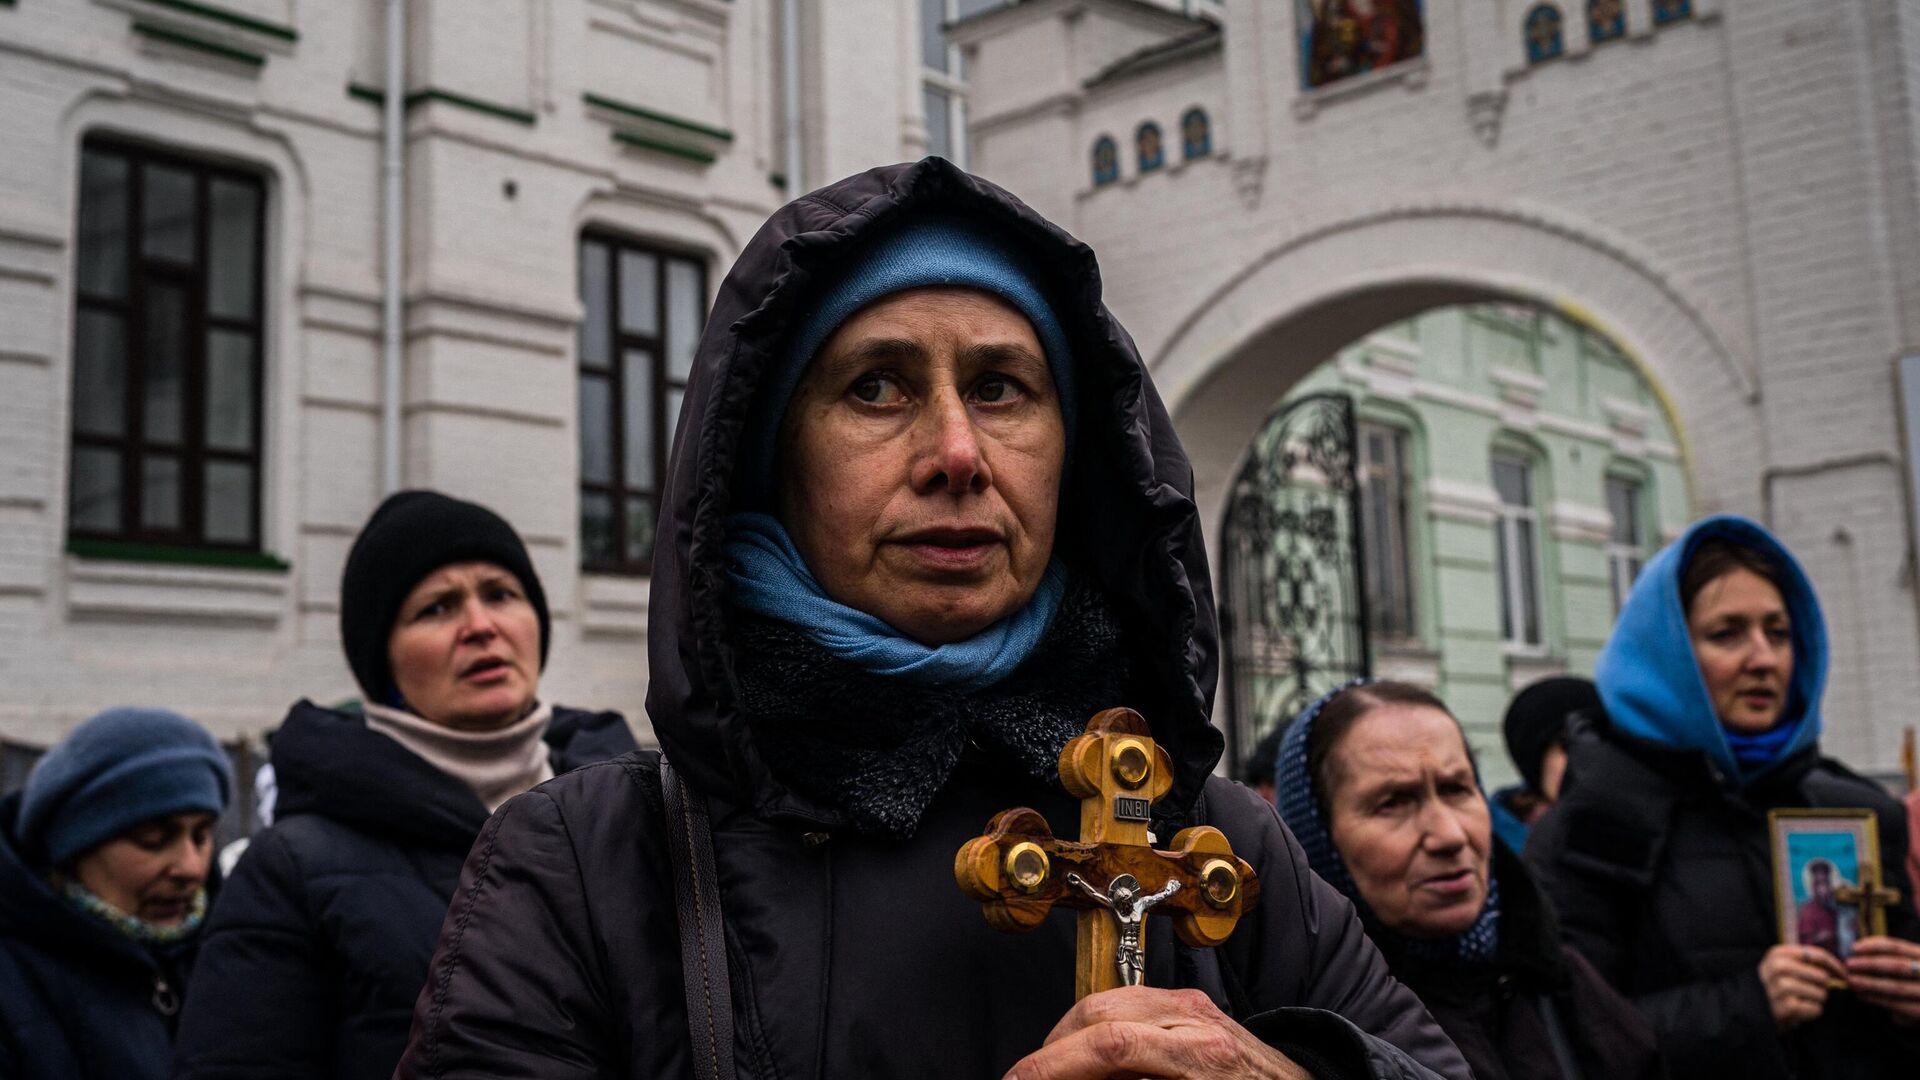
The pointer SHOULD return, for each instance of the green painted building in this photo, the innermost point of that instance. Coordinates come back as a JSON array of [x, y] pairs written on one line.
[[1516, 470]]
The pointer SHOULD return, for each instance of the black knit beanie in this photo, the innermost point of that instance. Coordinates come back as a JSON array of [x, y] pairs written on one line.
[[1537, 719], [411, 535]]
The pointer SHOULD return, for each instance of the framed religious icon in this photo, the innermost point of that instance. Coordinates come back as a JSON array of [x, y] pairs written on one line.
[[1826, 877]]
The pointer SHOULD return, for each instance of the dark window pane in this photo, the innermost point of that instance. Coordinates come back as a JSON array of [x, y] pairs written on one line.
[[229, 417], [640, 524], [1623, 503], [168, 218], [96, 489], [685, 311], [933, 40], [103, 224], [596, 527], [234, 243], [1502, 563], [939, 123], [166, 359], [1510, 480], [596, 430], [229, 502], [636, 369], [99, 374], [639, 293], [1529, 584], [595, 275], [160, 492]]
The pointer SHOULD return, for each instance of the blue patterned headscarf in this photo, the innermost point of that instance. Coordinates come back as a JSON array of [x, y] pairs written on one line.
[[1300, 808]]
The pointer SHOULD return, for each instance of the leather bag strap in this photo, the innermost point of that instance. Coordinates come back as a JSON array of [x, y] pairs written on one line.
[[703, 940]]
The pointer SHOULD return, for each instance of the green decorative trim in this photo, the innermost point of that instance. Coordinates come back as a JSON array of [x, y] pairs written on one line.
[[134, 551], [518, 116], [188, 41], [639, 113], [6, 3], [704, 157], [376, 96], [231, 18]]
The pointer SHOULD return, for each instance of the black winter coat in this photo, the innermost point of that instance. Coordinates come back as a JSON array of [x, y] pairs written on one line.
[[848, 954], [1498, 1014], [312, 958], [1661, 876], [78, 999]]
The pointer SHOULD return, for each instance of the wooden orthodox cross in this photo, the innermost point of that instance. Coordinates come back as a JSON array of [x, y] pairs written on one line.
[[1019, 871], [1871, 897]]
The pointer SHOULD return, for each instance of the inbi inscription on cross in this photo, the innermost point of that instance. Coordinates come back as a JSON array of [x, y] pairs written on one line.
[[1019, 871]]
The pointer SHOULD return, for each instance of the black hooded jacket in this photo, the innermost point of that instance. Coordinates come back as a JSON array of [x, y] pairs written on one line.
[[78, 999], [851, 954], [1662, 877], [311, 960], [1503, 1015]]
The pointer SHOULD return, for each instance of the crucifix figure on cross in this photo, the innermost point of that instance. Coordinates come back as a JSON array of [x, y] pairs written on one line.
[[1020, 871], [1130, 909]]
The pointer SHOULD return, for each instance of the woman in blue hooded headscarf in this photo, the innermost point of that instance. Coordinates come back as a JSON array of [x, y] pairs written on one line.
[[1656, 854]]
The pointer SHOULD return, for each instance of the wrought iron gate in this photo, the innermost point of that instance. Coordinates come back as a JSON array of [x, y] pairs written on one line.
[[1293, 614]]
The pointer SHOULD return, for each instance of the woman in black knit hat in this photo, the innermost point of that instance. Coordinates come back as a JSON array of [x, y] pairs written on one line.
[[320, 942]]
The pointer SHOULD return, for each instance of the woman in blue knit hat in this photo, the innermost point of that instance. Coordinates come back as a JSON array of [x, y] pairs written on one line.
[[1657, 851], [925, 516], [104, 857], [1378, 785]]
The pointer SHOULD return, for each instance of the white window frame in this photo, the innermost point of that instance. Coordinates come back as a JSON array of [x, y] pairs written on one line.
[[951, 82], [1625, 557], [1392, 474], [1513, 584]]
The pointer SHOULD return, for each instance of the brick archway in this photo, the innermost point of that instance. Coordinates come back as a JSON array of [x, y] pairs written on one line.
[[1224, 366]]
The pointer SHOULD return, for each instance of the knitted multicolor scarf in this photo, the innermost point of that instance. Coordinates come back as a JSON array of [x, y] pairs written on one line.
[[87, 902]]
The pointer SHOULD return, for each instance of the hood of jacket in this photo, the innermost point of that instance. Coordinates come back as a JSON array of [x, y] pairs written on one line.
[[32, 911], [1127, 516], [328, 762], [1650, 682]]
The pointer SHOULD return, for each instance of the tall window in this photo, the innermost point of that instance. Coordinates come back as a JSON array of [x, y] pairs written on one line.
[[1666, 12], [1606, 20], [1545, 39], [1106, 161], [1196, 134], [1383, 532], [1516, 550], [166, 351], [1149, 149], [1626, 540], [644, 312], [943, 91]]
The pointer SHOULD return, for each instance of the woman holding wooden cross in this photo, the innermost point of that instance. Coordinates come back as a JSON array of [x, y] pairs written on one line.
[[926, 516]]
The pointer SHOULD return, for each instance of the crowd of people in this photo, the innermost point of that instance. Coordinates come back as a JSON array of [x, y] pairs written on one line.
[[926, 514]]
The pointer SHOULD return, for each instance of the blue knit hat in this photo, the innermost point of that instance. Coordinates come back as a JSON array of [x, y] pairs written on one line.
[[926, 251], [116, 770]]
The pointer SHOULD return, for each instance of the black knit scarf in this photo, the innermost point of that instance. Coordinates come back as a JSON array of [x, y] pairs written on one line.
[[878, 750]]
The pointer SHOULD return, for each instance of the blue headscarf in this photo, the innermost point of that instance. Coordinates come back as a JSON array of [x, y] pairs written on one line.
[[770, 578], [1651, 683], [1300, 808]]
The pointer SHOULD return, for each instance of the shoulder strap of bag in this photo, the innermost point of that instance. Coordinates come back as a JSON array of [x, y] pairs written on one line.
[[703, 941]]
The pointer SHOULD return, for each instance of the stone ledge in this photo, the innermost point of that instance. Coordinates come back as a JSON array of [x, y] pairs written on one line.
[[614, 606], [116, 590]]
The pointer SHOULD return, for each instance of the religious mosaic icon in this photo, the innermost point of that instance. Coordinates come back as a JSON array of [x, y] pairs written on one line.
[[1827, 877], [1343, 38]]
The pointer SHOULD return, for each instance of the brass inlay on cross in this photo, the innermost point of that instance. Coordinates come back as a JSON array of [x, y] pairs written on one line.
[[1020, 871]]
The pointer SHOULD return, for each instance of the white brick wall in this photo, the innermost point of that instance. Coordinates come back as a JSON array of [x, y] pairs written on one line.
[[1732, 199], [490, 376]]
